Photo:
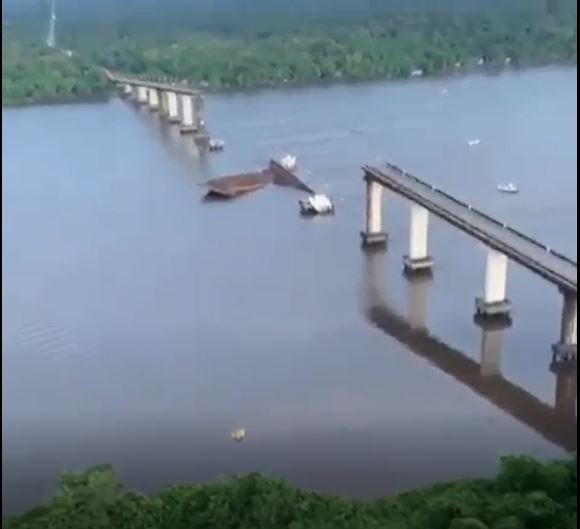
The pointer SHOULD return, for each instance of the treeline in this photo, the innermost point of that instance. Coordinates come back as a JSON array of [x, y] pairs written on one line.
[[525, 495], [394, 48], [385, 47], [248, 14], [33, 73]]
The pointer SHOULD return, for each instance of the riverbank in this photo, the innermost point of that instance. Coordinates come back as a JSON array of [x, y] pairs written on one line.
[[397, 48], [525, 493]]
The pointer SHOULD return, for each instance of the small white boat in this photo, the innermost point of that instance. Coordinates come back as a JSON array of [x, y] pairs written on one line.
[[216, 145], [473, 143], [238, 435], [289, 162], [508, 188], [316, 205]]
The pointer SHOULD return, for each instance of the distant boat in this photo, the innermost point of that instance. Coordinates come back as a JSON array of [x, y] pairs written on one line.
[[289, 162], [317, 204], [473, 143], [508, 188], [216, 145], [238, 435]]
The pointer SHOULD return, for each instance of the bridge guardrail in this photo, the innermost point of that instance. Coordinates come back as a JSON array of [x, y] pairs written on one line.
[[489, 218], [526, 260]]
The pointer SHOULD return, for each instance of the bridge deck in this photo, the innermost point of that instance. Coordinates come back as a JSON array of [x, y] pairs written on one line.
[[519, 247], [179, 89]]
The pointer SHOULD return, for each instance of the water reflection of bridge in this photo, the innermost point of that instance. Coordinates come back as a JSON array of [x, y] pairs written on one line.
[[556, 423]]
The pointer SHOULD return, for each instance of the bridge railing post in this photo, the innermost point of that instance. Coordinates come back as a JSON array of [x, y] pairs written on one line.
[[494, 302], [374, 236]]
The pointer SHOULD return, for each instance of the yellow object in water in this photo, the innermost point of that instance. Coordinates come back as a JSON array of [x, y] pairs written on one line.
[[239, 435]]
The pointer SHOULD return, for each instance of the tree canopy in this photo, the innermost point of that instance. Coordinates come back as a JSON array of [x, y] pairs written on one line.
[[379, 49], [526, 494]]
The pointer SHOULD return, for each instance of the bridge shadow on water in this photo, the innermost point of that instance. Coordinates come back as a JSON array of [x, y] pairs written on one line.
[[555, 423]]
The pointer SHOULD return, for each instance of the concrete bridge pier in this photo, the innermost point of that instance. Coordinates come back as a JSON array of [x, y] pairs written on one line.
[[374, 236], [153, 96], [162, 103], [494, 303], [127, 90], [187, 116], [172, 107], [142, 95], [567, 347], [418, 260]]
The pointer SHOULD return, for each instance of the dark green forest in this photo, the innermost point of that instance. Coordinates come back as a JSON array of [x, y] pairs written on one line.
[[526, 494], [243, 44]]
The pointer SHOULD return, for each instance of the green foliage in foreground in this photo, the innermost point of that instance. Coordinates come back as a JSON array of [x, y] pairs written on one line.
[[526, 494], [33, 74]]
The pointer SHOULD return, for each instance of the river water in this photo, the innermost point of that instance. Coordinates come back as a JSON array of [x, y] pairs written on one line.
[[141, 326]]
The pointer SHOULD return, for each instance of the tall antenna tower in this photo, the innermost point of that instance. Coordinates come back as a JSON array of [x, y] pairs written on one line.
[[51, 37]]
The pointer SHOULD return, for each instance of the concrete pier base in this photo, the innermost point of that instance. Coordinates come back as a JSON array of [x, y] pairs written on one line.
[[375, 241], [418, 260], [373, 236], [494, 303], [419, 266], [567, 347], [187, 129]]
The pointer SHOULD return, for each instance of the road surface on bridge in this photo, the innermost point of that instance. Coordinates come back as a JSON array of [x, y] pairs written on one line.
[[168, 87], [519, 247]]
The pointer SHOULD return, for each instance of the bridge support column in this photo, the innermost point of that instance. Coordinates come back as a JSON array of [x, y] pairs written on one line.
[[568, 345], [494, 303], [153, 94], [162, 102], [172, 107], [142, 95], [418, 259], [187, 117], [374, 236], [201, 134], [127, 90]]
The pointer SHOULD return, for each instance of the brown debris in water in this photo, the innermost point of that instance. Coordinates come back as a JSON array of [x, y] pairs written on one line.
[[235, 185], [228, 187]]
